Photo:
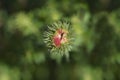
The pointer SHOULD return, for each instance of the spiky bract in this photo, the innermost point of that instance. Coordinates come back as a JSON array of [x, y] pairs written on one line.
[[59, 37]]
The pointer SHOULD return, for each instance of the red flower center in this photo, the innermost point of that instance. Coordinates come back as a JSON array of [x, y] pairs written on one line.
[[60, 37]]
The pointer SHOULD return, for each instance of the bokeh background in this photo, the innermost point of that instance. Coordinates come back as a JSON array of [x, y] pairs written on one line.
[[96, 51]]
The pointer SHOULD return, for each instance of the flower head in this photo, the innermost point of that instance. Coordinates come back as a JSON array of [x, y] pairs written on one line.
[[59, 37]]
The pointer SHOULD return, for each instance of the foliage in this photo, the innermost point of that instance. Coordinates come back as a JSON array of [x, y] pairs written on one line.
[[95, 53]]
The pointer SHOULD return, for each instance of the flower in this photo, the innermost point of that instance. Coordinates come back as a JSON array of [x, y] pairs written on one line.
[[58, 38]]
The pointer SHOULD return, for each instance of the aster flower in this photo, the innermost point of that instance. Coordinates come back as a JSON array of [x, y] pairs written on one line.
[[58, 38]]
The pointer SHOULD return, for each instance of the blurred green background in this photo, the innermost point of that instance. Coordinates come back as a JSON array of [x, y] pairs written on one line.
[[96, 50]]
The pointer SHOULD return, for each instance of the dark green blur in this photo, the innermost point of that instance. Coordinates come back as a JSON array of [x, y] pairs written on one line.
[[96, 51]]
